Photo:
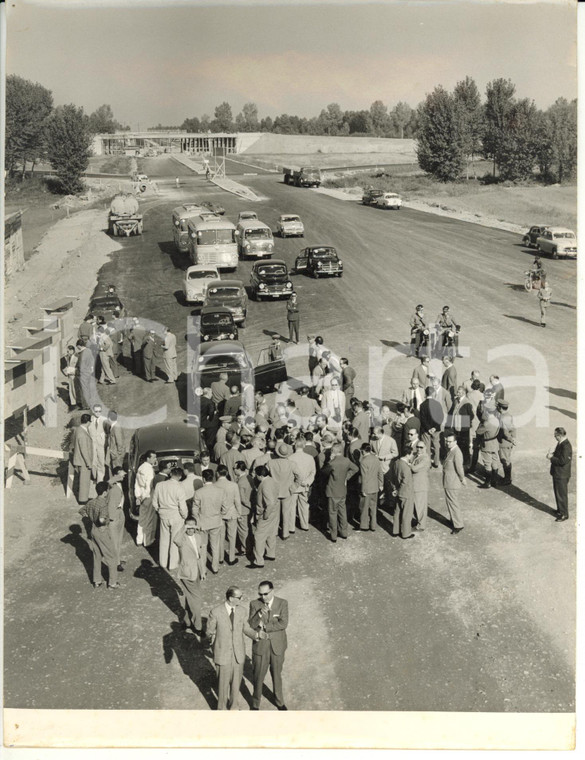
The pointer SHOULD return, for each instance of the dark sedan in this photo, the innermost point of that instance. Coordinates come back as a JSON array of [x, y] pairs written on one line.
[[269, 279], [319, 260], [107, 306], [217, 323], [215, 208]]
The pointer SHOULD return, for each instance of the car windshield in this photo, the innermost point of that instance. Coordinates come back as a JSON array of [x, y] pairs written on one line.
[[569, 235], [107, 302], [258, 234], [203, 274], [233, 362], [324, 253], [213, 237], [223, 292], [272, 270], [290, 219], [216, 318]]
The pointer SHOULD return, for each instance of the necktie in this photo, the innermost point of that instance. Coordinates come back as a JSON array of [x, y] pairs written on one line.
[[232, 617], [414, 400]]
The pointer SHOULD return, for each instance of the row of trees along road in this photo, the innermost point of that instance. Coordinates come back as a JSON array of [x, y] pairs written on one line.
[[36, 131], [456, 128]]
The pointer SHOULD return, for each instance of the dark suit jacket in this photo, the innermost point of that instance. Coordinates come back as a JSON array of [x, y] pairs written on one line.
[[337, 472], [275, 626], [560, 463], [372, 478], [464, 416], [431, 415], [449, 380], [82, 448], [401, 479], [116, 445]]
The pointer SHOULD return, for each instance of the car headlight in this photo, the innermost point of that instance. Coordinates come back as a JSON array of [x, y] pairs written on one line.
[[231, 336], [289, 284], [246, 245], [340, 262], [270, 246], [193, 235], [319, 264], [176, 223], [262, 286], [206, 337]]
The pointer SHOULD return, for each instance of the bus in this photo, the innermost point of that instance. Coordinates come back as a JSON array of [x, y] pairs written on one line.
[[181, 215], [213, 240]]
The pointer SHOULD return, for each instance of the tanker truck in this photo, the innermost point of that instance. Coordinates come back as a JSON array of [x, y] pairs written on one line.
[[124, 218], [302, 176]]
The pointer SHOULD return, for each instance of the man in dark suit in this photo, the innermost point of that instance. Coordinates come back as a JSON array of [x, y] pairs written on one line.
[[459, 420], [207, 503], [191, 571], [560, 469], [149, 356], [116, 445], [267, 517], [269, 618], [410, 423], [83, 458], [371, 483], [401, 478], [336, 474], [226, 626], [449, 378], [431, 417]]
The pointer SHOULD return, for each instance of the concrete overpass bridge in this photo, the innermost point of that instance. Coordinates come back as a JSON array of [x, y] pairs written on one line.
[[178, 141]]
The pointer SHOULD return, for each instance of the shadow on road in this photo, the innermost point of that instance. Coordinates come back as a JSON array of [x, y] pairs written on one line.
[[565, 305], [438, 517], [562, 392], [566, 412], [180, 260], [249, 676], [192, 659], [82, 550], [523, 319], [517, 493], [161, 585], [516, 287]]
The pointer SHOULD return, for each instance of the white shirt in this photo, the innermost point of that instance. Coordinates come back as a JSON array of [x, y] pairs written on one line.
[[143, 482], [193, 540]]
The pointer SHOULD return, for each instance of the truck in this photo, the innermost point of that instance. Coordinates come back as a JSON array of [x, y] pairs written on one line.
[[124, 218], [302, 176]]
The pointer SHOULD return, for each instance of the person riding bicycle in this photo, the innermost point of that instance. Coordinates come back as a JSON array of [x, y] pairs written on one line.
[[446, 323], [417, 327]]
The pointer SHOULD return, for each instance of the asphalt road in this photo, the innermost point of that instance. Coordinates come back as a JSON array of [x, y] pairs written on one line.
[[479, 622]]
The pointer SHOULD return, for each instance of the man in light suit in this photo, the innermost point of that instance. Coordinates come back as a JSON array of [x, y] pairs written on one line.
[[401, 476], [333, 404], [207, 503], [371, 482], [420, 466], [170, 355], [99, 436], [269, 618], [226, 626], [414, 395], [83, 458], [191, 572], [266, 517], [453, 480]]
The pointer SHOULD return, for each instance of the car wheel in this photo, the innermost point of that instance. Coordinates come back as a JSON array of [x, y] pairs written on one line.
[[555, 253]]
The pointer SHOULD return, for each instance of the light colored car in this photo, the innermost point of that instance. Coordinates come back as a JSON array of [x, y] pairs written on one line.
[[558, 241], [388, 200], [196, 280], [289, 225], [246, 216]]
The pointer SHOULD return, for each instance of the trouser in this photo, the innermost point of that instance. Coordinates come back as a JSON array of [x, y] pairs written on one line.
[[293, 331], [301, 506], [192, 601], [433, 443], [228, 688], [168, 552], [244, 530], [137, 367], [561, 491], [265, 538], [337, 517], [464, 441], [84, 474], [287, 510], [403, 514], [229, 528], [212, 536], [149, 367], [170, 368], [147, 523], [106, 367], [368, 509], [506, 460], [260, 665], [103, 551], [476, 446], [71, 388], [452, 500], [421, 506], [491, 464], [543, 308], [117, 533]]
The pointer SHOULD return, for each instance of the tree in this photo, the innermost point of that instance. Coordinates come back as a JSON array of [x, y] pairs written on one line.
[[359, 121], [379, 117], [69, 142], [250, 114], [499, 102], [518, 152], [286, 125], [440, 149], [561, 129], [467, 96], [266, 125], [331, 120], [191, 125], [102, 121], [400, 116], [223, 121], [28, 106], [205, 122]]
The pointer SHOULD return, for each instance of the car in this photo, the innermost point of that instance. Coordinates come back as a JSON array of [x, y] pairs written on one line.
[[215, 208], [231, 294], [319, 260], [171, 441], [245, 216], [140, 177], [558, 241], [196, 280], [107, 306], [370, 195], [529, 240], [269, 279], [213, 358], [289, 225], [388, 200], [217, 323]]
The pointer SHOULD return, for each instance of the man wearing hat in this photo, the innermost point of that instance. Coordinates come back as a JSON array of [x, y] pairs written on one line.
[[286, 476], [487, 404], [417, 325], [506, 440], [148, 356]]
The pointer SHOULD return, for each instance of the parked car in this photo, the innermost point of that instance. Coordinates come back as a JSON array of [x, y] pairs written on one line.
[[319, 260], [213, 358], [269, 279], [558, 241], [529, 240], [370, 195], [231, 294], [289, 225], [217, 323], [388, 200], [245, 216], [107, 306], [196, 280], [174, 442], [215, 208]]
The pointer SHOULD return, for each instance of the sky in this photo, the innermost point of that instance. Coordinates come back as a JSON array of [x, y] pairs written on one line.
[[161, 63]]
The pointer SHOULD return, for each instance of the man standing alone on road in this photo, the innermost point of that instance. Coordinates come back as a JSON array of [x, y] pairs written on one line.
[[226, 626], [293, 317], [269, 618], [101, 543], [116, 513], [190, 573], [560, 469], [544, 296], [453, 480]]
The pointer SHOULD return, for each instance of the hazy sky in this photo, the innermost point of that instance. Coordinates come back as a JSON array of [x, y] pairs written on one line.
[[162, 63]]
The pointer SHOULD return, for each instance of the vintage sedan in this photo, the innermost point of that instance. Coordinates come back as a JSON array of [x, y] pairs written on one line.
[[290, 225], [269, 279], [319, 260], [211, 359], [530, 238], [171, 441], [370, 196], [107, 306], [231, 294], [246, 216], [215, 208], [217, 323], [558, 241], [388, 200], [196, 280]]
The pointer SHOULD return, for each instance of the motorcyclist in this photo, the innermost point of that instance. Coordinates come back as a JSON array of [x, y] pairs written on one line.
[[446, 323], [417, 327], [536, 270]]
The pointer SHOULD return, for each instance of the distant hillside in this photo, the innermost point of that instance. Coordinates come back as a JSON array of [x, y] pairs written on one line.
[[402, 150]]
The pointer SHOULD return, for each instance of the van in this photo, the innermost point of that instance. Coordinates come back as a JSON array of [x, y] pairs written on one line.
[[255, 240]]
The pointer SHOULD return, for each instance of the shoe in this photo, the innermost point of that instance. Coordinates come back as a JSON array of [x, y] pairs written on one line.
[[215, 572], [543, 325], [291, 532], [115, 585], [372, 530], [252, 566], [333, 540], [233, 562], [436, 466], [455, 531], [281, 707], [254, 708], [561, 518], [97, 585], [487, 484], [121, 568], [240, 554], [270, 559], [306, 530], [412, 535]]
